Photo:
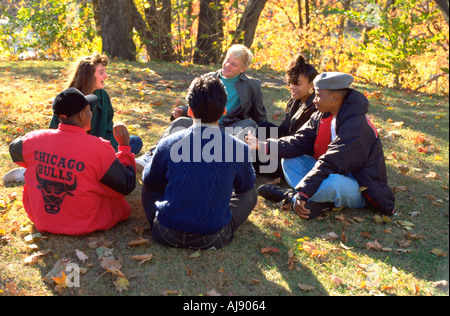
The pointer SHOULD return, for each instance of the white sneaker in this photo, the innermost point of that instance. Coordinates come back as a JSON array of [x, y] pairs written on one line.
[[14, 177], [141, 162]]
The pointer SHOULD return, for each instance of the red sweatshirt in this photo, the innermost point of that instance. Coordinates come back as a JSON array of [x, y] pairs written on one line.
[[75, 182]]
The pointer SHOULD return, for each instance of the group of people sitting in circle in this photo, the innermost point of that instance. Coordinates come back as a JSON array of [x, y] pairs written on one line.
[[199, 179]]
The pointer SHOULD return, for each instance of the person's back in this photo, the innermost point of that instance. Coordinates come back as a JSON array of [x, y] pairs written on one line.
[[75, 182], [203, 166]]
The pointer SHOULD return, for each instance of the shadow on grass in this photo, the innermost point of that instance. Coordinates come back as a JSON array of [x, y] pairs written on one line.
[[239, 269]]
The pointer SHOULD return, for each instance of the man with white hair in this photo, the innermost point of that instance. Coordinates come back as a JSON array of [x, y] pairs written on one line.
[[244, 108]]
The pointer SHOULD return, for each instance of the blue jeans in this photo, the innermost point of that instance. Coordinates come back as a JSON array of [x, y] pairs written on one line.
[[135, 144], [342, 190]]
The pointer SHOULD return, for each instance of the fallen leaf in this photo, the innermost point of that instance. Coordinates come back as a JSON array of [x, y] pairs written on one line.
[[34, 257], [443, 283], [32, 237], [432, 175], [108, 263], [404, 169], [138, 242], [60, 283], [305, 287], [142, 258], [170, 292], [438, 252], [400, 188], [212, 293], [121, 284], [81, 256], [336, 280], [374, 245], [195, 254], [59, 266]]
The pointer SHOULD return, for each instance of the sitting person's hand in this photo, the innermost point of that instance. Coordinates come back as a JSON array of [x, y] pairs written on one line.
[[121, 134], [251, 141], [301, 210]]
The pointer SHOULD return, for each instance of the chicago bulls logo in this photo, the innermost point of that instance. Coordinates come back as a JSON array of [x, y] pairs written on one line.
[[54, 193]]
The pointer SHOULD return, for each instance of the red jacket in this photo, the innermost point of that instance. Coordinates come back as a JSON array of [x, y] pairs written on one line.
[[75, 182]]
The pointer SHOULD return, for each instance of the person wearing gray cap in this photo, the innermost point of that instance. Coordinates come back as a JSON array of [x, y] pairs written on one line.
[[75, 183], [334, 155]]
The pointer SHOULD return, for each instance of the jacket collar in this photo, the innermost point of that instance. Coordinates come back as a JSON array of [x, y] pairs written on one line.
[[242, 76], [71, 128]]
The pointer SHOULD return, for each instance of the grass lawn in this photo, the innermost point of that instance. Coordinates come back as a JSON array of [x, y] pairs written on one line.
[[345, 252]]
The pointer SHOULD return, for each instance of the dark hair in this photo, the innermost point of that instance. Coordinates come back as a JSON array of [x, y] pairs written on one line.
[[207, 98], [297, 67]]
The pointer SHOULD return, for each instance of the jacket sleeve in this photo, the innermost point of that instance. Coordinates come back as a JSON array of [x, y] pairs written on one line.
[[258, 112], [121, 175], [301, 143], [347, 153]]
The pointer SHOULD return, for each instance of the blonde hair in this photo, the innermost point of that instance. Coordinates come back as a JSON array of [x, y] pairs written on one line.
[[241, 52], [81, 75]]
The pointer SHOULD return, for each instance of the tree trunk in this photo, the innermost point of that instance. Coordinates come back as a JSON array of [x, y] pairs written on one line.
[[158, 16], [444, 7], [307, 19], [249, 22], [116, 27], [96, 10], [210, 33]]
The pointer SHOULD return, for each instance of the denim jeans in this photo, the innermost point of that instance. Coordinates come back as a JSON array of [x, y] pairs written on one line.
[[342, 190], [135, 144]]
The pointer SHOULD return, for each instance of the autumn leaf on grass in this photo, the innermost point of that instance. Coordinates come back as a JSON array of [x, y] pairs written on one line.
[[121, 284], [212, 293], [269, 250], [336, 280], [400, 188], [138, 242], [35, 256], [374, 245], [108, 263], [432, 175], [142, 258], [438, 252], [59, 266], [404, 169], [60, 283], [305, 287], [404, 224], [81, 256]]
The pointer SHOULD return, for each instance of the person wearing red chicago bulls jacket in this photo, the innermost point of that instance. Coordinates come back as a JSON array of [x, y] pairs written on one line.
[[75, 182]]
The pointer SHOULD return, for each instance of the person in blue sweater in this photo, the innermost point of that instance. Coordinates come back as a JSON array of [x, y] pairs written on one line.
[[198, 187]]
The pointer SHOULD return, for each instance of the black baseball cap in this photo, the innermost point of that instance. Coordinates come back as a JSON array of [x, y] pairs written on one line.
[[72, 101]]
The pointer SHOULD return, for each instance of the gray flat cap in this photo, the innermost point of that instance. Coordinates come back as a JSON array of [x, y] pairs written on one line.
[[333, 81]]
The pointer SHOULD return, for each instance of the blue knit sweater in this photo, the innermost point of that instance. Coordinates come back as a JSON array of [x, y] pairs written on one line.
[[192, 176]]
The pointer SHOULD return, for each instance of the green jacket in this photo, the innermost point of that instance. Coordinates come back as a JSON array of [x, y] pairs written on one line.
[[102, 118]]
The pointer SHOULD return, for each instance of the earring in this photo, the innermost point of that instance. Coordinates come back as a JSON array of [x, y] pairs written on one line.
[[311, 91]]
